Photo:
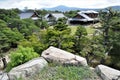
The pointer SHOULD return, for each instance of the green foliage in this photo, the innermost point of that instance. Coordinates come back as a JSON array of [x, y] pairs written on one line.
[[13, 37], [61, 24], [8, 37], [81, 31], [4, 17], [110, 22], [3, 24], [59, 36], [114, 52], [90, 48], [71, 14], [80, 39], [60, 39], [44, 24], [111, 34], [42, 12], [20, 56], [38, 22], [25, 27], [34, 42], [93, 50], [7, 14]]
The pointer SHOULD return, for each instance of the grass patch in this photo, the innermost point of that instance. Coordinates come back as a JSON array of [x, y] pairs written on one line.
[[73, 29], [90, 30], [66, 73]]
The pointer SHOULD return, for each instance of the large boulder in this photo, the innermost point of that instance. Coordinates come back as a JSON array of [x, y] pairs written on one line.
[[59, 56], [107, 73], [3, 76], [28, 69]]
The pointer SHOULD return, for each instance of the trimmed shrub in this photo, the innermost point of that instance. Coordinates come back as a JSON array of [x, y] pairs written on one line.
[[20, 56]]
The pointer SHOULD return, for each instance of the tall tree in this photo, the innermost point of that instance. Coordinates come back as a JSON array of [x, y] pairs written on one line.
[[8, 14], [71, 13], [111, 33], [8, 38], [93, 49], [60, 36], [80, 39], [26, 26], [34, 42], [107, 23]]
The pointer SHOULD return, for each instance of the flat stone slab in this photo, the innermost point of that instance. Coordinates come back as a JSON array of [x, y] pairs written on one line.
[[107, 73], [28, 69]]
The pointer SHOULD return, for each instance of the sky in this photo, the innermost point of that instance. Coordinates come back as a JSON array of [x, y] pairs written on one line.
[[32, 4]]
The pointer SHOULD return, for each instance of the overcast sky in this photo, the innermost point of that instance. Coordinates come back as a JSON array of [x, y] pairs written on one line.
[[32, 4]]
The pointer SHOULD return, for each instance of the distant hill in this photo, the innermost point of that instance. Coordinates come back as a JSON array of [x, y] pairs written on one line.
[[116, 8], [65, 8]]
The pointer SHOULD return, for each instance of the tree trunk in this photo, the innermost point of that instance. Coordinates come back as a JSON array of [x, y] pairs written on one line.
[[102, 61], [59, 44], [4, 63], [87, 58]]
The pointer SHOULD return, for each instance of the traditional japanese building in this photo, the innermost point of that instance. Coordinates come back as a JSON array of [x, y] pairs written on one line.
[[33, 15], [53, 17], [84, 17]]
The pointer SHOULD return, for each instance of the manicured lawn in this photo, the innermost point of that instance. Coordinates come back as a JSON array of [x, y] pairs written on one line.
[[89, 29], [73, 29]]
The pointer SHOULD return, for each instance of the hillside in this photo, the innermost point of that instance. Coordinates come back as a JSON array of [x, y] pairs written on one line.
[[66, 8], [116, 8]]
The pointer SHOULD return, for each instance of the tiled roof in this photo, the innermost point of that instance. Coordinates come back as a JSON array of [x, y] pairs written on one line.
[[25, 15], [58, 15], [88, 11], [86, 17]]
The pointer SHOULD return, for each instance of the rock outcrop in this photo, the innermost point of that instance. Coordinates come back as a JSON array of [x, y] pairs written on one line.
[[107, 73], [3, 76], [59, 56], [28, 69]]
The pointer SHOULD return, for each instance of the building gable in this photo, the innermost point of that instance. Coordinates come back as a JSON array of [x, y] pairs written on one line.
[[92, 15], [35, 14], [85, 17], [78, 17]]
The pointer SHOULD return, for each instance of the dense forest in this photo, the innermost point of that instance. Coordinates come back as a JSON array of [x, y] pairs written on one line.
[[28, 36]]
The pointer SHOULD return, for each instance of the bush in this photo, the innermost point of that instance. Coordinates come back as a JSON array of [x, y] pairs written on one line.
[[33, 42], [20, 56]]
